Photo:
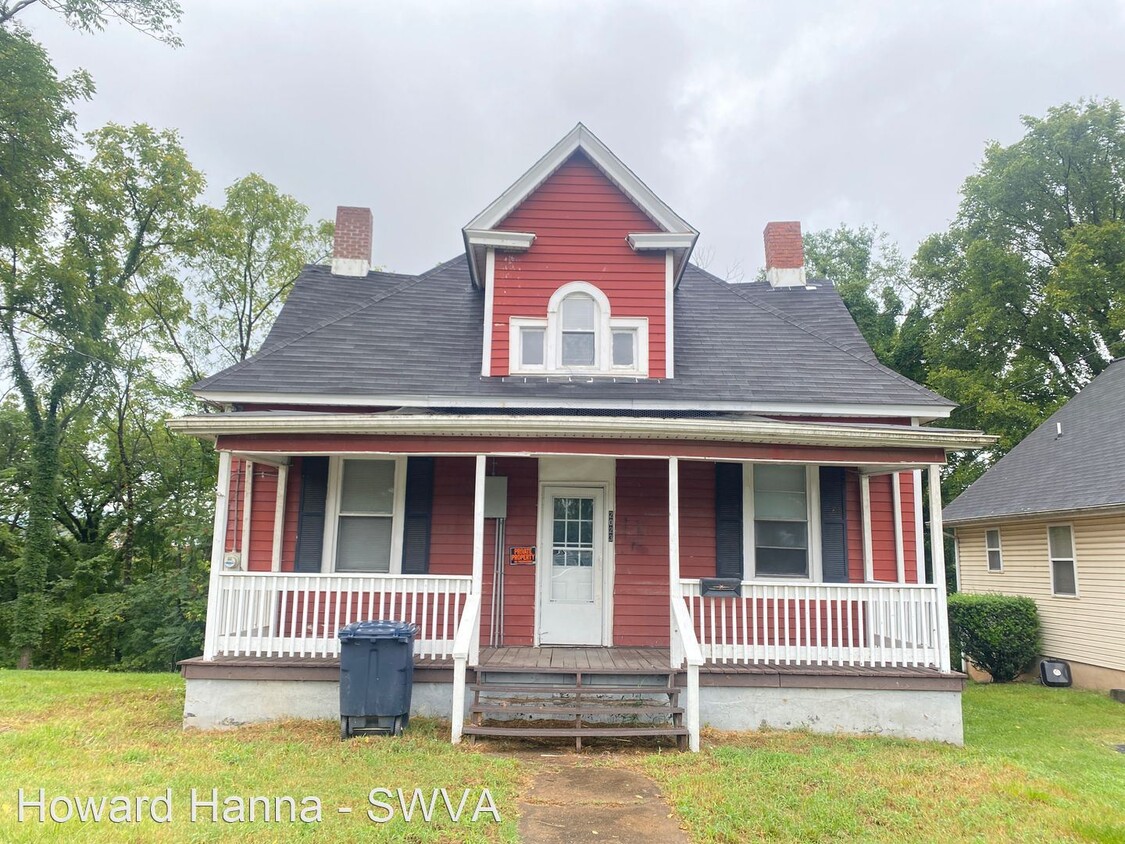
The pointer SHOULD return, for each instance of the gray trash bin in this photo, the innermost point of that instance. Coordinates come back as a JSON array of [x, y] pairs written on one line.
[[376, 677]]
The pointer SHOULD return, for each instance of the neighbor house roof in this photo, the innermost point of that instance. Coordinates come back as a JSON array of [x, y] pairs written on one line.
[[390, 339], [1081, 468]]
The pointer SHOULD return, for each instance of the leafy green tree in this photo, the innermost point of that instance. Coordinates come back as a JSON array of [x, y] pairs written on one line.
[[215, 311], [152, 17], [1028, 285], [122, 213], [872, 278]]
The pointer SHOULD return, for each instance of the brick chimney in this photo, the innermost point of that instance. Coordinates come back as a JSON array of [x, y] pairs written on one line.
[[785, 255], [351, 249]]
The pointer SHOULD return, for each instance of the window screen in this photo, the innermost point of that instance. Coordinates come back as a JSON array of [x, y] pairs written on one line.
[[579, 316]]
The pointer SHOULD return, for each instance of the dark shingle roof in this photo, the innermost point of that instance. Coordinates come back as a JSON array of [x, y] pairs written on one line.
[[1047, 473], [390, 335]]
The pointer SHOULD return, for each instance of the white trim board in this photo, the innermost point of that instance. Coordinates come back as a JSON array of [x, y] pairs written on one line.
[[895, 411]]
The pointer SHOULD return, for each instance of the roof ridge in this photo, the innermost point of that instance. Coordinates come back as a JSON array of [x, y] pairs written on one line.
[[264, 353], [786, 318]]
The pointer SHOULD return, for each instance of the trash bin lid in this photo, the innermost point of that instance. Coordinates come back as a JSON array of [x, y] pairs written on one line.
[[378, 629]]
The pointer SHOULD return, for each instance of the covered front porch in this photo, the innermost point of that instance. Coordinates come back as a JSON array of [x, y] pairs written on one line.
[[658, 516]]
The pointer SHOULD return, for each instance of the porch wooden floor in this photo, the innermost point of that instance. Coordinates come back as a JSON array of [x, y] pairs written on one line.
[[594, 660]]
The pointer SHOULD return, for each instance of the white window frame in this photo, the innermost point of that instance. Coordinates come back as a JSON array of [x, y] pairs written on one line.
[[605, 324], [1073, 560], [812, 501], [988, 549], [332, 511]]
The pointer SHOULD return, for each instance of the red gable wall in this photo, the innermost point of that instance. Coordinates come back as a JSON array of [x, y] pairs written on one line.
[[580, 220]]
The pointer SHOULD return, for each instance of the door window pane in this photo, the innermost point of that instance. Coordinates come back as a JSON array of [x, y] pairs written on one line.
[[531, 346], [572, 557]]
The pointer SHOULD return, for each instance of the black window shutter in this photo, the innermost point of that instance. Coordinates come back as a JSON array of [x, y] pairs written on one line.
[[310, 520], [833, 525], [728, 520], [418, 515]]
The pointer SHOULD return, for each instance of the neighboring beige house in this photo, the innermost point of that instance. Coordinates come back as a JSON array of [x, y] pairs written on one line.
[[1048, 521]]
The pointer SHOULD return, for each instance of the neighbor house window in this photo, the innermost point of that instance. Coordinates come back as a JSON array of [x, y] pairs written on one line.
[[365, 523], [781, 521], [579, 336], [992, 549], [1064, 574]]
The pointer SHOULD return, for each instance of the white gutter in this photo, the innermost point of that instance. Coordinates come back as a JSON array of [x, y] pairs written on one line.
[[581, 427]]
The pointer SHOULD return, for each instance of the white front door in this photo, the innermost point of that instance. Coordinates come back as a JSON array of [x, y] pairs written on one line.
[[572, 535]]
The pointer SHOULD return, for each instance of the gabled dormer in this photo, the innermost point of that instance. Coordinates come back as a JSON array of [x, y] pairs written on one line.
[[577, 261]]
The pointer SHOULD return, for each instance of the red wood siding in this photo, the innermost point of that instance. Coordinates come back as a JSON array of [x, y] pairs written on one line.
[[640, 589], [697, 518], [335, 443], [263, 509], [235, 498], [580, 220], [909, 534], [884, 565]]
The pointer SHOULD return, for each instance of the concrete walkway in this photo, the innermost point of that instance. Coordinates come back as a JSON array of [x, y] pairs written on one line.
[[572, 801]]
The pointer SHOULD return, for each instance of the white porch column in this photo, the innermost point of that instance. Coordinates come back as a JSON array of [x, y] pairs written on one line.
[[279, 517], [478, 551], [247, 511], [675, 590], [900, 551], [937, 555], [218, 546], [919, 530], [865, 511]]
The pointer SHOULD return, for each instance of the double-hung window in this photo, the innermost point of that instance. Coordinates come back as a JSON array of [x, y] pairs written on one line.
[[1064, 569], [780, 502], [366, 496], [579, 323], [992, 549]]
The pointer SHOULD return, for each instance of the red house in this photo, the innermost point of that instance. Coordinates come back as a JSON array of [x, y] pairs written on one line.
[[610, 488]]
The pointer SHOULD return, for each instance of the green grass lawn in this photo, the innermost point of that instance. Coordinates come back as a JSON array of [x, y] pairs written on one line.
[[1039, 765]]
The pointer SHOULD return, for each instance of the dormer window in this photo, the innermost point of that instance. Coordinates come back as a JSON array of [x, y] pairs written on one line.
[[579, 336], [579, 319]]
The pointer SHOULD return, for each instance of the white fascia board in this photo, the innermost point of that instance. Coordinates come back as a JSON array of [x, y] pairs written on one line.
[[643, 241], [895, 411], [1039, 515], [581, 138], [583, 427], [512, 241]]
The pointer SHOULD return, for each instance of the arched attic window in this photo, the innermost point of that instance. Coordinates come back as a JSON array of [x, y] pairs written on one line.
[[579, 336]]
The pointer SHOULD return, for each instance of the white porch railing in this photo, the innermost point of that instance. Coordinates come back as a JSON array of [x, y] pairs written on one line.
[[685, 650], [283, 614], [868, 624]]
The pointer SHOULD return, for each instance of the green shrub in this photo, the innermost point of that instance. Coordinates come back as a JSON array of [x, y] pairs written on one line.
[[996, 633]]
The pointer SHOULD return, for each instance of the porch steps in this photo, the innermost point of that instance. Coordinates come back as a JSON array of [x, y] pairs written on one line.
[[522, 702]]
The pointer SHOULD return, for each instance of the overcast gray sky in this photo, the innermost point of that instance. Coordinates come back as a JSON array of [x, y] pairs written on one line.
[[735, 114]]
